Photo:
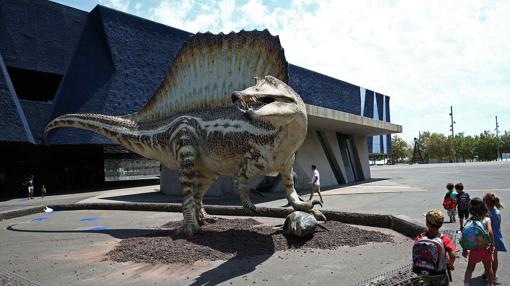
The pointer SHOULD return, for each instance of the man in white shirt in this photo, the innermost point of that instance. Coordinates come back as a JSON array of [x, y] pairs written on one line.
[[315, 183]]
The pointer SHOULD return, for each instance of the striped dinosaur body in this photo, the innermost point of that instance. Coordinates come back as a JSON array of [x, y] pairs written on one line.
[[253, 132]]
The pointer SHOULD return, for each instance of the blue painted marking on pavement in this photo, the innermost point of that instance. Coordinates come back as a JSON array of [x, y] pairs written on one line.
[[98, 228], [88, 219], [40, 219], [53, 212]]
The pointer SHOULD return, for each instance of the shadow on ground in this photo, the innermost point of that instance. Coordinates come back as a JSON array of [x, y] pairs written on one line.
[[257, 197], [242, 260]]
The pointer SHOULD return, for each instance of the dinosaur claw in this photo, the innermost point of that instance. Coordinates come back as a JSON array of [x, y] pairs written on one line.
[[316, 202], [319, 216]]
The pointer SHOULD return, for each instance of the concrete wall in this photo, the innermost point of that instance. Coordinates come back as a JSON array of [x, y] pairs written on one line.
[[362, 149], [311, 153]]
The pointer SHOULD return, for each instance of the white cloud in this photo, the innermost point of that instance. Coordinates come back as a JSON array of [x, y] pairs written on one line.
[[121, 5], [426, 55]]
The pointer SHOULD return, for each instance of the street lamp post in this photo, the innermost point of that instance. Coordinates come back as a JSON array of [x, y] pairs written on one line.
[[497, 138], [453, 134]]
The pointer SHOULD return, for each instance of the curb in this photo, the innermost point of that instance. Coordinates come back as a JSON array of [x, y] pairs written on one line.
[[404, 227], [21, 212]]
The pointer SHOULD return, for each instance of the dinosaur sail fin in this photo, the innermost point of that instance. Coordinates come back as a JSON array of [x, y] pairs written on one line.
[[208, 68]]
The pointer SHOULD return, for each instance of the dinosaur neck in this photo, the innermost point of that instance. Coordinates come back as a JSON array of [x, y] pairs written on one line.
[[295, 131]]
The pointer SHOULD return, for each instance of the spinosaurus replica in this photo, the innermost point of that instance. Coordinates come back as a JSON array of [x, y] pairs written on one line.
[[206, 120]]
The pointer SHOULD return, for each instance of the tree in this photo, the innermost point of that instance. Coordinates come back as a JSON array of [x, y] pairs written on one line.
[[486, 146], [464, 147], [483, 147], [504, 142], [399, 150], [435, 146]]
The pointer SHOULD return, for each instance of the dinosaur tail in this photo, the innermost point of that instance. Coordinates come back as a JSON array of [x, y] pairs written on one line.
[[112, 127]]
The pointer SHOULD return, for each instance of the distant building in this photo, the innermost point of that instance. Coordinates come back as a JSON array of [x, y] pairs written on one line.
[[56, 59]]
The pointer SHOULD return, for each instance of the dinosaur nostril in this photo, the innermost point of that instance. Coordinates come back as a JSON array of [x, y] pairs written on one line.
[[236, 96]]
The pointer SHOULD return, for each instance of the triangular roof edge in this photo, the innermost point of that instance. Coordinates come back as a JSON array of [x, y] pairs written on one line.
[[15, 100]]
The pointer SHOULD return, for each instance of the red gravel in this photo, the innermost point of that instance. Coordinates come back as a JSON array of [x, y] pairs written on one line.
[[229, 238]]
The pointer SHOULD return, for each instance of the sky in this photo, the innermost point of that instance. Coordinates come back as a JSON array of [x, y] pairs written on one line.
[[425, 55]]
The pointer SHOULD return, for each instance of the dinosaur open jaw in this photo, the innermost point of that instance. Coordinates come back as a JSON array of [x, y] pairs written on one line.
[[245, 103], [256, 102]]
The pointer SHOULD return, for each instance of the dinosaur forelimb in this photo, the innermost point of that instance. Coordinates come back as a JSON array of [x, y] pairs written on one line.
[[295, 201]]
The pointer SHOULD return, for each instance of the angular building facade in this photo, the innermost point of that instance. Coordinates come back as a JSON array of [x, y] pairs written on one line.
[[56, 59]]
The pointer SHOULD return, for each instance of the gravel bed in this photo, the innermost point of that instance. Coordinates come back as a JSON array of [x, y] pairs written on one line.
[[401, 278], [229, 238]]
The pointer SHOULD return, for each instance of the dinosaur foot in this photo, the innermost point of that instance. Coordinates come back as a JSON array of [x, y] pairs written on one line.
[[251, 210], [205, 218], [189, 229]]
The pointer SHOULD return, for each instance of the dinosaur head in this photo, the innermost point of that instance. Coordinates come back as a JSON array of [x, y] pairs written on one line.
[[269, 99]]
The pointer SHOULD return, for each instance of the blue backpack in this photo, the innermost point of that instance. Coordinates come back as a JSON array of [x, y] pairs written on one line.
[[474, 235]]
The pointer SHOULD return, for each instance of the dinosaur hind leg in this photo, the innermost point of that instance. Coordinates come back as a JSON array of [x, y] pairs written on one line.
[[188, 179], [204, 183], [241, 184]]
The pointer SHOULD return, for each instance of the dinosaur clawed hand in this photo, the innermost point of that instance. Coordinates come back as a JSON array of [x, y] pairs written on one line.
[[307, 206], [318, 215], [315, 202]]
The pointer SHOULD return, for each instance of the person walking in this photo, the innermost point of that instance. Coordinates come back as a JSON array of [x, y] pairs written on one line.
[[43, 191], [433, 252], [494, 205], [463, 200], [30, 186], [315, 183], [477, 241], [450, 202]]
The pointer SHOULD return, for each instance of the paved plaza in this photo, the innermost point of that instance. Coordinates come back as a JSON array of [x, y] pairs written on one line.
[[67, 248]]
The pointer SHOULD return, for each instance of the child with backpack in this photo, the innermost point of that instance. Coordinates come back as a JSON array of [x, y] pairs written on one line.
[[433, 252], [450, 202], [462, 204], [476, 241], [494, 205]]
